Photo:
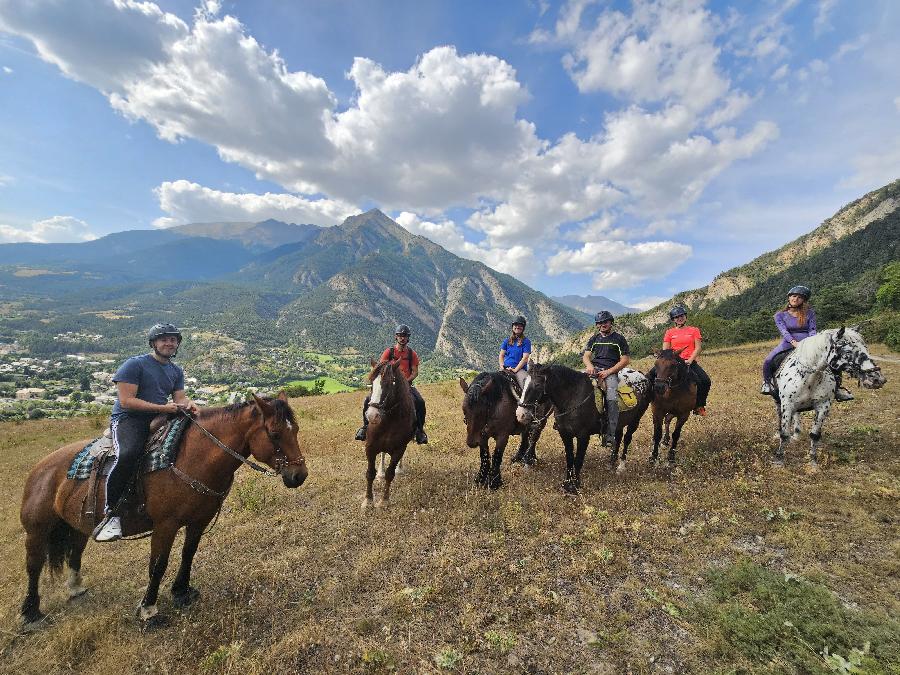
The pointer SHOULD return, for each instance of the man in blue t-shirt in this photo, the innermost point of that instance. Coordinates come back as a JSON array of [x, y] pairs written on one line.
[[144, 385], [515, 351]]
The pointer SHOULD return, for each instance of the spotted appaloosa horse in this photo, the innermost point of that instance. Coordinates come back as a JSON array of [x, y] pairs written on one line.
[[392, 419], [489, 411], [674, 397], [805, 381], [187, 495]]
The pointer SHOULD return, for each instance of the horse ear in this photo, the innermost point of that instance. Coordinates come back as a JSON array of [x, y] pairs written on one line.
[[855, 327], [678, 351], [490, 383], [464, 385], [372, 362], [282, 396], [840, 333], [264, 407]]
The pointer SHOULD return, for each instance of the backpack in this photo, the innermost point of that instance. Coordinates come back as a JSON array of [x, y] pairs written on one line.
[[408, 357]]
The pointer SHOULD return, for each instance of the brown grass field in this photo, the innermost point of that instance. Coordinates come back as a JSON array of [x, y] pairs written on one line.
[[724, 565]]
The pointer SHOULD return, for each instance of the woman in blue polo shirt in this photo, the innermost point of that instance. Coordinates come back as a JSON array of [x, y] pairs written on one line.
[[515, 350]]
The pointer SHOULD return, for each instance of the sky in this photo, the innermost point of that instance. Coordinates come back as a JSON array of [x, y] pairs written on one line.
[[629, 149]]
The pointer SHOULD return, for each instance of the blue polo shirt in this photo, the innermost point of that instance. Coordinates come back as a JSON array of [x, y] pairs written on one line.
[[514, 352]]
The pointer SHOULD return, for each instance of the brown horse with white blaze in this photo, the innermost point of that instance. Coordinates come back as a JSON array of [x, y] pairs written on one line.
[[674, 397], [188, 494], [392, 422]]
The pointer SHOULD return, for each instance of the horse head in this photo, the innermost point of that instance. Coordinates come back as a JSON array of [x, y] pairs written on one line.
[[274, 440], [386, 379], [533, 393], [480, 401], [849, 354], [670, 370]]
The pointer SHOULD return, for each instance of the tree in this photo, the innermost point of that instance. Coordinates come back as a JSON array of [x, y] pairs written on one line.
[[85, 382], [888, 294]]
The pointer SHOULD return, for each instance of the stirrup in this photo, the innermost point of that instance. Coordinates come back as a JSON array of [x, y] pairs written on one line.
[[767, 389], [360, 434]]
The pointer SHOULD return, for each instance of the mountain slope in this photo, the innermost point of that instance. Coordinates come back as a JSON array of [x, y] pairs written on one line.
[[591, 304]]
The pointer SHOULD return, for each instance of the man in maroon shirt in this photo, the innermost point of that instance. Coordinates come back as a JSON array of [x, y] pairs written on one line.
[[409, 366]]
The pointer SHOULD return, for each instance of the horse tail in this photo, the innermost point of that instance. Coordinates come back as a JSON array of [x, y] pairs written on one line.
[[60, 543]]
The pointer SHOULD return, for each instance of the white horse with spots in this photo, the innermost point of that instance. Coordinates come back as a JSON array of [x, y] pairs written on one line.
[[805, 381]]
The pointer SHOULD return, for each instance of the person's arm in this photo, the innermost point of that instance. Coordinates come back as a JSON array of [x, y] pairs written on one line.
[[526, 353], [811, 322], [128, 399], [586, 359], [502, 357], [616, 367], [667, 341], [414, 371], [182, 401], [783, 329], [696, 351]]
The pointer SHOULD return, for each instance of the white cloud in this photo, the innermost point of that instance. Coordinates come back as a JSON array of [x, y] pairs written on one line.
[[5, 180], [618, 264], [517, 260], [822, 21], [7, 70], [662, 51], [187, 202], [897, 103], [732, 107], [649, 302], [781, 72], [54, 230]]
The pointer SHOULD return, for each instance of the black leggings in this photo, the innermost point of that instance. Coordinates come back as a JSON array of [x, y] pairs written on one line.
[[703, 382], [418, 401], [130, 435]]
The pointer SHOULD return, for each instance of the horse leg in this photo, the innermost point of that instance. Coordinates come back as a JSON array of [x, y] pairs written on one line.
[[74, 584], [519, 457], [786, 414], [388, 479], [381, 466], [679, 422], [160, 547], [629, 432], [495, 481], [815, 433], [579, 458], [485, 468], [183, 594], [534, 432], [369, 499], [795, 427], [657, 437], [569, 483], [667, 439], [35, 555]]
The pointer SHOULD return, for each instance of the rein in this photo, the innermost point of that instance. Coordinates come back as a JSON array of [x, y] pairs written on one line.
[[537, 401]]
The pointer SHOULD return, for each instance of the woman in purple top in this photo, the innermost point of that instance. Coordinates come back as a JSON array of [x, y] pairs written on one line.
[[795, 322]]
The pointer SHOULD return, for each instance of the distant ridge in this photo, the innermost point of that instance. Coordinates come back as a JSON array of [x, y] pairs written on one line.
[[591, 304]]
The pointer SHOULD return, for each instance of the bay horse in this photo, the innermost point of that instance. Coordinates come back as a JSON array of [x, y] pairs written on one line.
[[805, 381], [392, 421], [188, 495], [489, 411], [674, 397], [572, 393]]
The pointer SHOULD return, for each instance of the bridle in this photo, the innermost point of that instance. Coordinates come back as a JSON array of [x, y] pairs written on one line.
[[382, 405], [674, 382], [532, 407]]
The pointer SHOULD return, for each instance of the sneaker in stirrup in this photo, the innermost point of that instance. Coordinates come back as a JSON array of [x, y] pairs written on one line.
[[109, 529], [766, 389], [700, 411], [360, 434], [421, 437]]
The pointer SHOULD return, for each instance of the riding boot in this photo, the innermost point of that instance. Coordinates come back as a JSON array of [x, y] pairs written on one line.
[[361, 432]]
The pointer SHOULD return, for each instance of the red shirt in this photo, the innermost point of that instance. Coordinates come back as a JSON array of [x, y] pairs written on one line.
[[404, 357], [683, 337]]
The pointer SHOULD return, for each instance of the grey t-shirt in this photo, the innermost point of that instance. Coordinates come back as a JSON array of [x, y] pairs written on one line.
[[155, 382]]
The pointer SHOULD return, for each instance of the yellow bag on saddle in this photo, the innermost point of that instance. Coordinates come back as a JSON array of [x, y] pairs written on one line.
[[627, 398]]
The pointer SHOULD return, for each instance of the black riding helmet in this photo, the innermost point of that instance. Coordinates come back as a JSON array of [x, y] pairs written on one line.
[[520, 321], [161, 329], [402, 329], [604, 316], [802, 291], [676, 311]]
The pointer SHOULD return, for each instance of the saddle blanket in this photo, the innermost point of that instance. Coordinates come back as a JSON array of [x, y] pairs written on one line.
[[160, 453]]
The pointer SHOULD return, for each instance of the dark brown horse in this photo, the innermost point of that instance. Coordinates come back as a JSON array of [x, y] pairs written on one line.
[[392, 421], [572, 395], [674, 396], [489, 410], [187, 495]]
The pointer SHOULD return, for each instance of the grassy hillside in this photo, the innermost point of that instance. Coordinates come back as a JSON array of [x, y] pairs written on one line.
[[726, 565]]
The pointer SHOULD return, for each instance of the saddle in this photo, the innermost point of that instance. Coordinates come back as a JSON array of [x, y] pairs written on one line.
[[627, 397], [97, 459]]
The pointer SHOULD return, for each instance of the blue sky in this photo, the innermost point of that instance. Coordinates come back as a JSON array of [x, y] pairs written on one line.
[[631, 149]]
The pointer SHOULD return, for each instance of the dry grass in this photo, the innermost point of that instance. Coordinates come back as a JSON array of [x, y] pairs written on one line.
[[456, 578]]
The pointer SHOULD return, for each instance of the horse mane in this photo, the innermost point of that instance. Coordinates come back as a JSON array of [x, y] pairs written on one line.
[[568, 376], [375, 370], [813, 348], [283, 412], [476, 394]]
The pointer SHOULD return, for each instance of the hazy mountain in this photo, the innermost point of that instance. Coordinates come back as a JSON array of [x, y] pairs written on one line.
[[257, 237], [591, 304]]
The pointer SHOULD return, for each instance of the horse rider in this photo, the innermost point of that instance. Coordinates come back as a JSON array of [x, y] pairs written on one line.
[[515, 352], [144, 384], [796, 322], [688, 339], [605, 354], [409, 366]]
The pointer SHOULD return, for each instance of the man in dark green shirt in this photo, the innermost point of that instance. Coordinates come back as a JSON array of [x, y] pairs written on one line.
[[605, 354]]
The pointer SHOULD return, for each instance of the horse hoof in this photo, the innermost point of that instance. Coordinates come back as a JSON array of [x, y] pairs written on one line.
[[366, 505], [812, 467], [34, 622], [778, 463], [185, 598], [481, 480], [570, 488], [495, 483], [620, 470], [154, 623], [77, 592], [382, 504]]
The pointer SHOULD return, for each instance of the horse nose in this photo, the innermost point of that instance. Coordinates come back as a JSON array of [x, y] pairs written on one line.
[[522, 415], [295, 477]]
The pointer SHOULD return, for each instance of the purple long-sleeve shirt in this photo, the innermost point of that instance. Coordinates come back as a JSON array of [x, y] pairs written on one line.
[[791, 329]]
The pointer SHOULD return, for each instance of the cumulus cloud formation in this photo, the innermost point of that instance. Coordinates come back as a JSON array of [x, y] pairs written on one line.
[[54, 230], [617, 264], [187, 202], [445, 133]]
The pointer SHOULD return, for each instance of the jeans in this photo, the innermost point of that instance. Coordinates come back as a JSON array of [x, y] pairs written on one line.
[[611, 383]]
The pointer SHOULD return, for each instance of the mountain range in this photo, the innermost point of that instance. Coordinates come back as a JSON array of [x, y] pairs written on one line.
[[270, 283], [591, 304]]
